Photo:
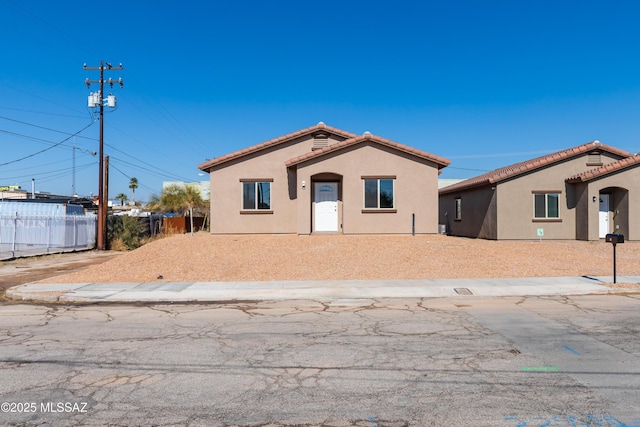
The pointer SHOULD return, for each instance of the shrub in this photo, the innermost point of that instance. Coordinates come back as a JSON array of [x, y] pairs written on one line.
[[124, 233]]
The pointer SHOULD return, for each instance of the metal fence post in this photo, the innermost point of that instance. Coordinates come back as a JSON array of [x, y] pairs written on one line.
[[15, 231], [48, 233], [75, 233]]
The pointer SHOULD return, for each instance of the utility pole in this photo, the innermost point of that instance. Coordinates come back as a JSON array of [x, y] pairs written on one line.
[[106, 192], [98, 100]]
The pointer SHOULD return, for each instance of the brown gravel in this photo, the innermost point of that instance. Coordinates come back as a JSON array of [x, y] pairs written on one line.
[[205, 257]]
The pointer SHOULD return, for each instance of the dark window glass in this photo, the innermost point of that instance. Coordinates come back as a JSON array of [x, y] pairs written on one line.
[[248, 195], [264, 195], [540, 208], [386, 193], [552, 206], [371, 193]]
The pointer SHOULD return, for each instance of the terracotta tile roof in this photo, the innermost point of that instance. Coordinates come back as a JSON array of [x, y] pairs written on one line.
[[273, 142], [440, 161], [514, 170], [620, 165]]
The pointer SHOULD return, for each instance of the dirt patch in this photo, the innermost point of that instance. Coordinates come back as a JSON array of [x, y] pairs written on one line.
[[26, 270], [205, 257]]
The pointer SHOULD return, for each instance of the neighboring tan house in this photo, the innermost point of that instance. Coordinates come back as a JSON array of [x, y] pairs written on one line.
[[325, 180], [584, 193], [608, 200]]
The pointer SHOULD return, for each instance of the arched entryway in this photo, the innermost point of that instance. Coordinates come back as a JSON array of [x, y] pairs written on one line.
[[613, 211]]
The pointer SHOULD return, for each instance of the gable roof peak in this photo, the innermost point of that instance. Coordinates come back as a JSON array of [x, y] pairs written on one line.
[[605, 170], [312, 130], [441, 162]]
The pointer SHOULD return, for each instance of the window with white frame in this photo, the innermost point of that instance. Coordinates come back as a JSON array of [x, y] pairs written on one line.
[[379, 192], [546, 205], [256, 195]]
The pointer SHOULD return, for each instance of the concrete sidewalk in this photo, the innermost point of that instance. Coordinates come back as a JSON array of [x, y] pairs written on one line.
[[343, 289]]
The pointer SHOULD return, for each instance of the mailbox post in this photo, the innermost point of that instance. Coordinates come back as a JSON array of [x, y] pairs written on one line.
[[614, 239]]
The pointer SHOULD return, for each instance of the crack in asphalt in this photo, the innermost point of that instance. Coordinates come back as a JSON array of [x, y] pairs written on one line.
[[417, 354]]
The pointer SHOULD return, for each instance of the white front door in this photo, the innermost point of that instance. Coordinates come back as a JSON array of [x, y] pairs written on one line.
[[604, 215], [326, 210]]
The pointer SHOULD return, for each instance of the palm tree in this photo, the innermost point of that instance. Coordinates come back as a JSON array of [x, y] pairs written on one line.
[[122, 197], [133, 184], [183, 200], [154, 204], [179, 200]]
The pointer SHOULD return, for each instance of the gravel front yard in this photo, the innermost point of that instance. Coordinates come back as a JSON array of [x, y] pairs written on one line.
[[204, 257]]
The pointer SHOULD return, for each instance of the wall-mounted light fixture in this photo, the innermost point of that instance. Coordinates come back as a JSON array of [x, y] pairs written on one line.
[[304, 184], [594, 199]]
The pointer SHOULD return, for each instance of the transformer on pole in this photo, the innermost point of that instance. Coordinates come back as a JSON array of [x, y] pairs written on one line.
[[97, 99]]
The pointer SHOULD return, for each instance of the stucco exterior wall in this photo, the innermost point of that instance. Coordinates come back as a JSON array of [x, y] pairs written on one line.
[[226, 191], [581, 193], [516, 208], [624, 188], [478, 206], [415, 190]]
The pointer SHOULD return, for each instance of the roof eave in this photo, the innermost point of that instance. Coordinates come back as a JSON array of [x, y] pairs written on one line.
[[441, 162], [532, 165], [206, 166], [456, 187]]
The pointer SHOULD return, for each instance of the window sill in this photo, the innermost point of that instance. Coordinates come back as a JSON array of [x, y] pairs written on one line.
[[256, 212], [546, 220], [379, 211]]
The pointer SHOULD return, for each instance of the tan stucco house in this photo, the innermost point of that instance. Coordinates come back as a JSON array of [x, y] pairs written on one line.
[[583, 193], [325, 180]]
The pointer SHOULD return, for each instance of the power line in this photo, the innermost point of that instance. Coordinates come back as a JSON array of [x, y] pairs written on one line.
[[468, 169], [488, 156], [46, 149], [129, 178], [39, 97], [165, 174], [40, 166], [42, 112], [21, 135], [169, 118], [65, 173], [46, 141], [185, 128], [42, 127], [56, 171]]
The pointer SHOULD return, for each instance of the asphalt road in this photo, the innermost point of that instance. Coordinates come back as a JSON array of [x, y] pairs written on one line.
[[536, 361]]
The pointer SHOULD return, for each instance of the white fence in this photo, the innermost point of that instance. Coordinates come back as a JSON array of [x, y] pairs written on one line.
[[31, 234]]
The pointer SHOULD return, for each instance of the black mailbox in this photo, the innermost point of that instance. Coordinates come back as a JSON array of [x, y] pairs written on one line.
[[614, 238]]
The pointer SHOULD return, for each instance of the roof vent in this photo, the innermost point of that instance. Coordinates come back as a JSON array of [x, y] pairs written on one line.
[[367, 134], [320, 124], [596, 142], [320, 140]]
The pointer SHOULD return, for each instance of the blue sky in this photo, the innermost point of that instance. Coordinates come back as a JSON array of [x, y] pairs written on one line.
[[485, 84]]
